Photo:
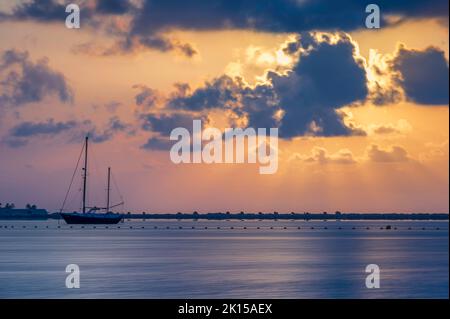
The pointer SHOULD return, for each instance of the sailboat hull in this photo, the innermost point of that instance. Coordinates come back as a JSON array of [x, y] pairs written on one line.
[[90, 218]]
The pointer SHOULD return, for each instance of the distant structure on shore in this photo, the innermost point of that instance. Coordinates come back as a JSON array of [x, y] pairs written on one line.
[[30, 212]]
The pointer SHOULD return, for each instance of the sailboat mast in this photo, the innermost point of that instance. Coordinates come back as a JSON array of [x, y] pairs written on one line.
[[108, 189], [85, 173]]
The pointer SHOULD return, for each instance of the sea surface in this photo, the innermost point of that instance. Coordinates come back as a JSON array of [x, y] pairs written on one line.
[[225, 259]]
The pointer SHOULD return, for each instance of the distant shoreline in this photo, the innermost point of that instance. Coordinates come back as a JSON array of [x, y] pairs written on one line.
[[42, 214], [290, 216]]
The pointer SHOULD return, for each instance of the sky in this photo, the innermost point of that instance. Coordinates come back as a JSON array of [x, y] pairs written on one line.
[[362, 113]]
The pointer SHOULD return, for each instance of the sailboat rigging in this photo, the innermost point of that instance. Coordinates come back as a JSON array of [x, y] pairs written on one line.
[[91, 216]]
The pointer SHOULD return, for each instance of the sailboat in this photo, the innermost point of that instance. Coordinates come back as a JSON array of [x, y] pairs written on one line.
[[92, 216]]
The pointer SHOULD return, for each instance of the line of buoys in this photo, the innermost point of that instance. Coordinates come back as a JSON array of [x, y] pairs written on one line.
[[387, 227]]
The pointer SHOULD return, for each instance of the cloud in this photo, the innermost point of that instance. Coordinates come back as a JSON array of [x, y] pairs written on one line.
[[149, 20], [318, 86], [303, 101], [40, 10], [112, 106], [113, 6], [401, 127], [223, 92], [132, 43], [321, 156], [423, 75], [49, 127], [160, 143], [165, 123], [394, 154], [100, 135], [21, 134], [23, 81], [272, 15], [147, 97]]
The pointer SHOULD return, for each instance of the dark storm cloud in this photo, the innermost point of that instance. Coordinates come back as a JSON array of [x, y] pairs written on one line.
[[23, 81], [227, 93], [268, 15], [423, 76], [273, 15], [319, 85], [326, 78], [113, 6], [154, 17], [222, 92]]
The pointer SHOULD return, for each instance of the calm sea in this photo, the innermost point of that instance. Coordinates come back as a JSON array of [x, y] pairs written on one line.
[[225, 259]]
